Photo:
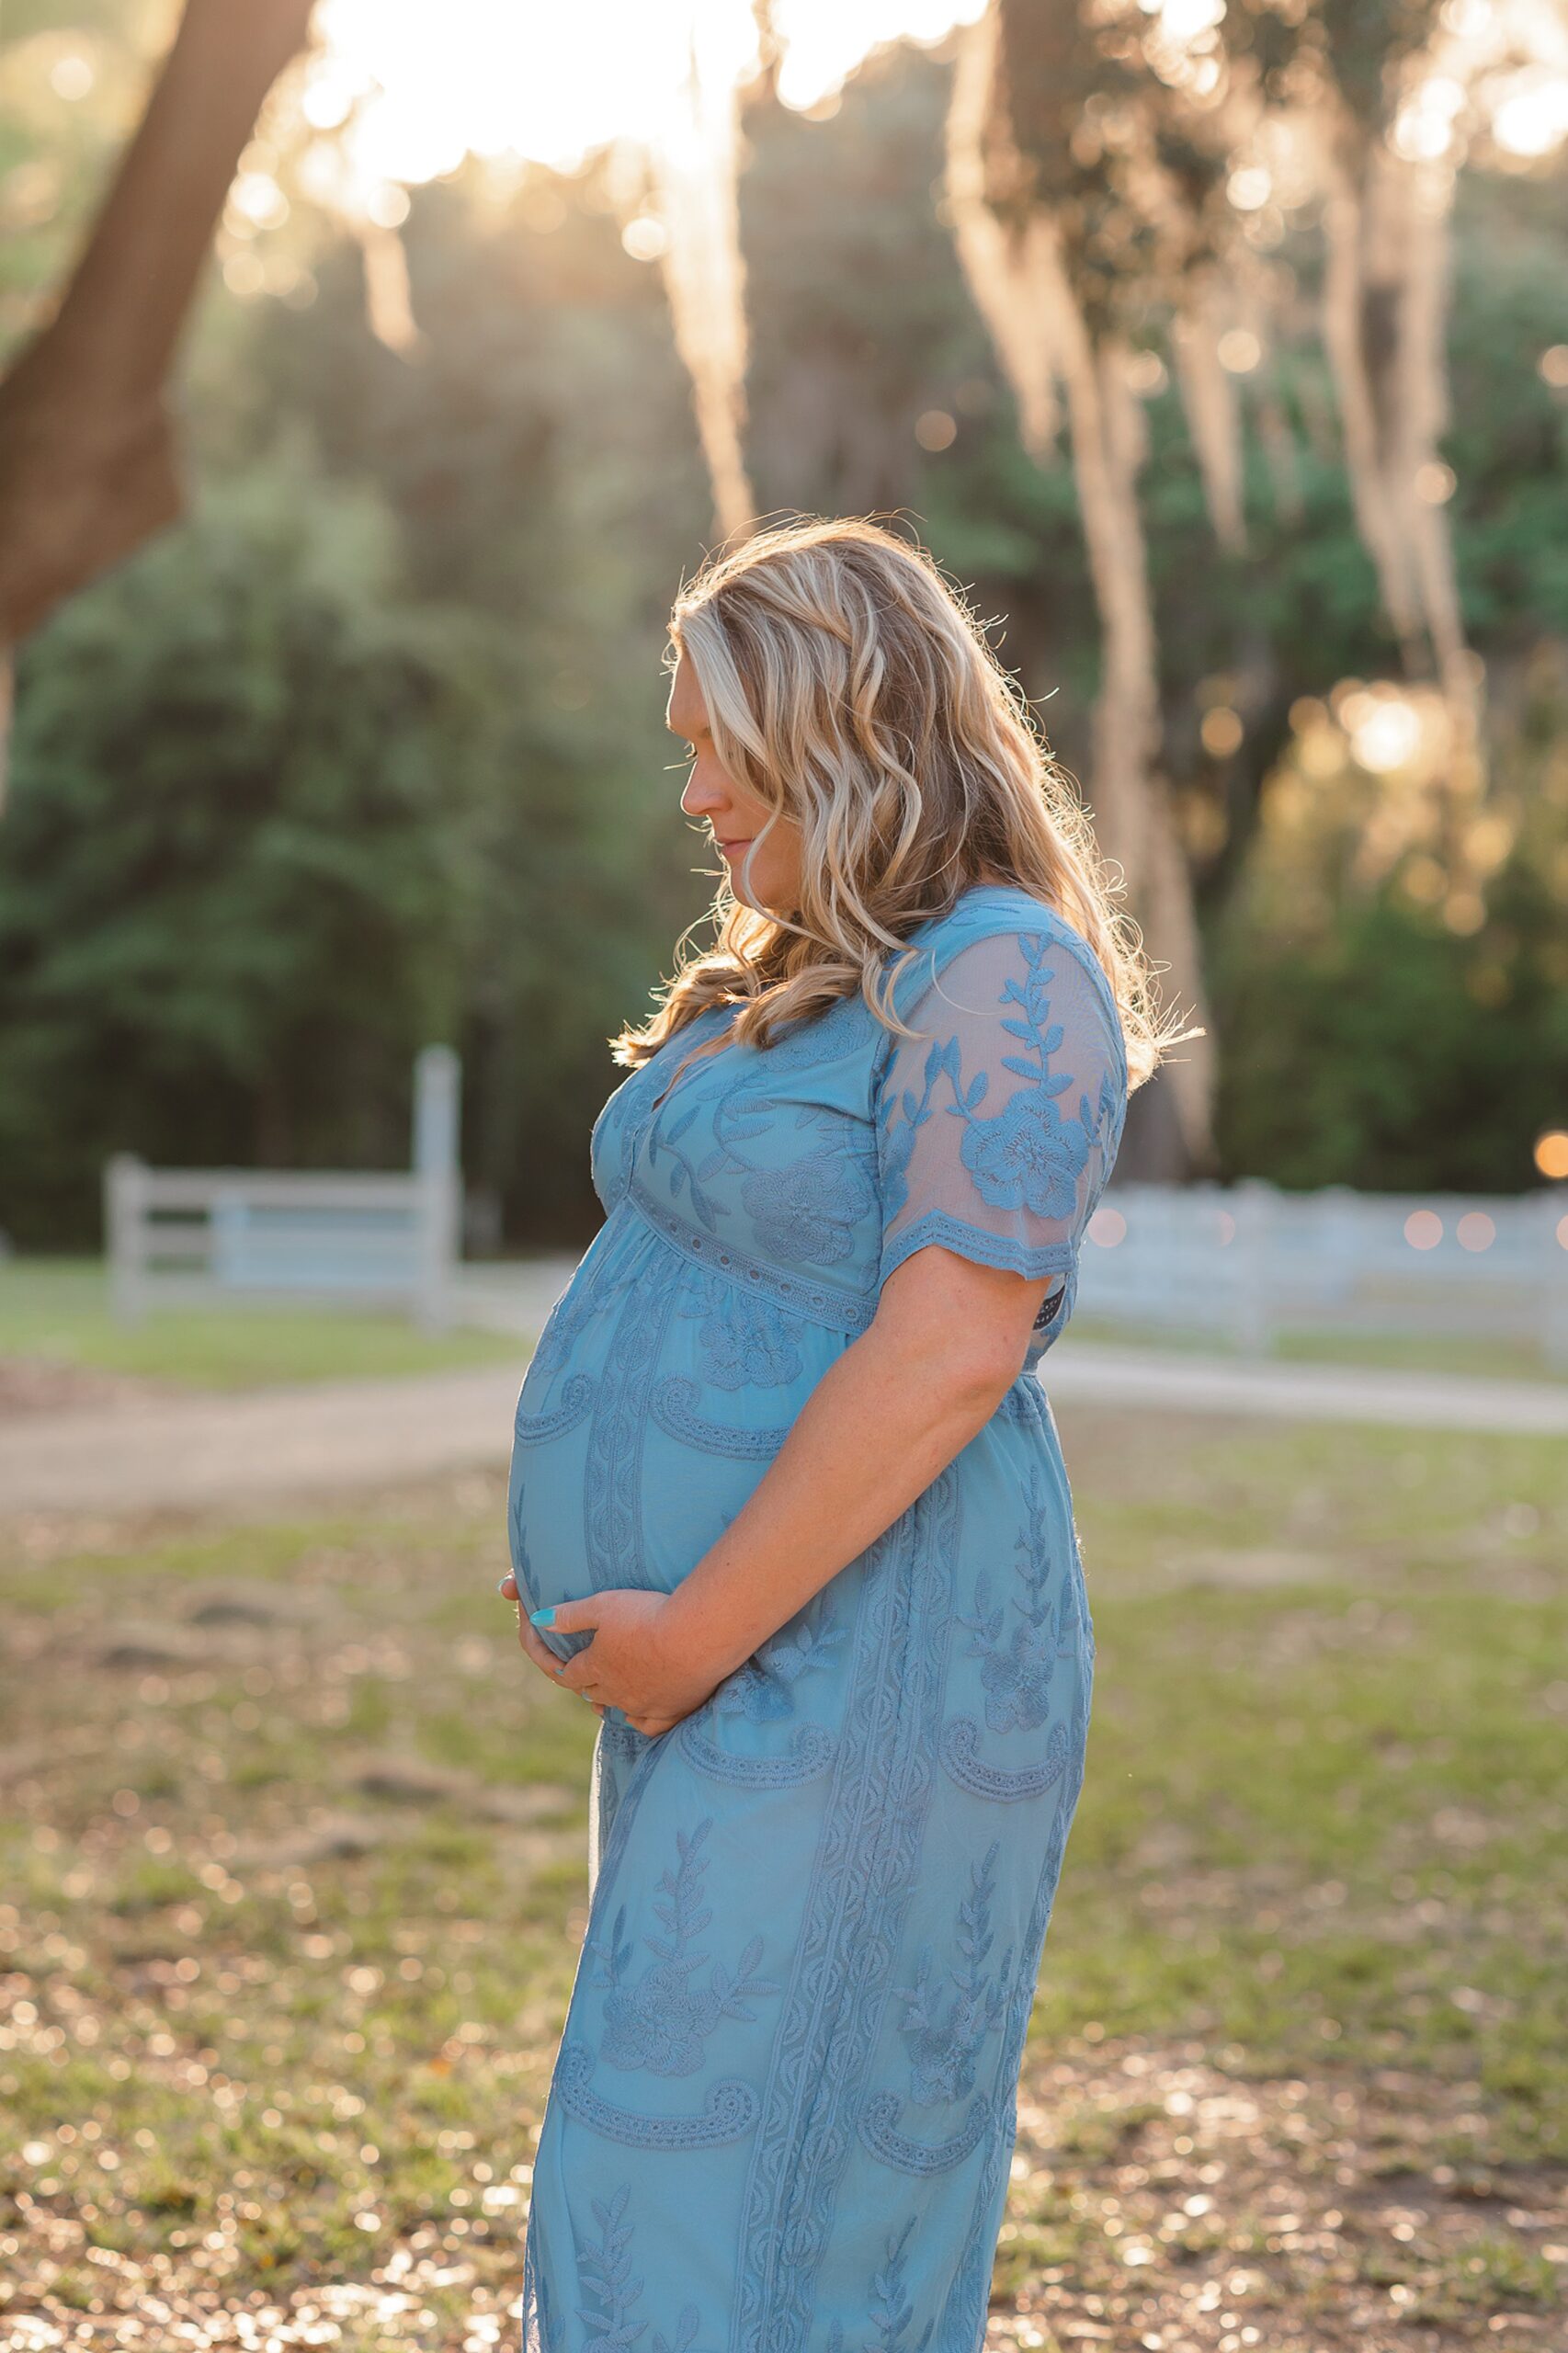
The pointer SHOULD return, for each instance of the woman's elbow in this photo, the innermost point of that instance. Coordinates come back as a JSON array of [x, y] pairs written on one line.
[[960, 1329], [982, 1367]]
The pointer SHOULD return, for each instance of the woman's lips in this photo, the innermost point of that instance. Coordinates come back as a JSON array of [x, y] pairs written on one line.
[[729, 847]]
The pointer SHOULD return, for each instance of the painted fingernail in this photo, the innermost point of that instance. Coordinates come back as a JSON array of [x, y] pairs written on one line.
[[501, 1584], [541, 1616]]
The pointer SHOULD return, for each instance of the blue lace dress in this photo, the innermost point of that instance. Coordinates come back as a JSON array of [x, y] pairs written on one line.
[[781, 2116]]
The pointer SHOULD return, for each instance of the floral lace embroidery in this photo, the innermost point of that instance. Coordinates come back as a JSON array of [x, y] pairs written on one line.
[[892, 2315], [1016, 1673], [746, 1342], [1026, 1155], [572, 1312], [663, 2022], [963, 2322], [822, 1302], [807, 1213], [605, 2283], [764, 1688], [617, 1434], [880, 1829], [684, 1176], [762, 1691], [804, 1214], [617, 1133], [944, 2031], [565, 1645], [867, 1857]]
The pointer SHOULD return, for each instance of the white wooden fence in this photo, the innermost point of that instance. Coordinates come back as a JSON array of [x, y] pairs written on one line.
[[1245, 1261], [194, 1236]]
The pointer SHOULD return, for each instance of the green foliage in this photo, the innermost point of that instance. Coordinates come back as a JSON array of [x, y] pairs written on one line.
[[539, 461], [1366, 1042], [373, 748], [236, 862]]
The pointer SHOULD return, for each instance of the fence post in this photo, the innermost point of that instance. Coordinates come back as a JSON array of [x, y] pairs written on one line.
[[1255, 1215], [125, 1230], [438, 1084], [1554, 1287], [1338, 1270]]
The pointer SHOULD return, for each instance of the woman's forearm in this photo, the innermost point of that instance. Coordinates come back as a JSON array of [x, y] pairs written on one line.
[[883, 1422]]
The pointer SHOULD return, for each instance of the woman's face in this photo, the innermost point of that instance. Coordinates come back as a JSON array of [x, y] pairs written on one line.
[[767, 877]]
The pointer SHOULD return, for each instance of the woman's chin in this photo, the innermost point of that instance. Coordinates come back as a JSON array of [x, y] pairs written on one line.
[[752, 894]]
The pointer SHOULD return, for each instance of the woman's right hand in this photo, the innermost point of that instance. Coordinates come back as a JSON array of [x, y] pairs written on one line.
[[544, 1658]]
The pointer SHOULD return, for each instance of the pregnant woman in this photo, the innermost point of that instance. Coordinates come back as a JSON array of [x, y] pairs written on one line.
[[787, 1503]]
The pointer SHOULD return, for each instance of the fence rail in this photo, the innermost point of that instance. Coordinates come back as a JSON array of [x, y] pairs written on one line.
[[194, 1236], [1246, 1260]]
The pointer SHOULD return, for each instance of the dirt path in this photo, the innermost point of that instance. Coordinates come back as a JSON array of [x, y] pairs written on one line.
[[193, 1453], [190, 1453]]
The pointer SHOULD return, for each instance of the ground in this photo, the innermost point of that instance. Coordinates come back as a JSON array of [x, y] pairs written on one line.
[[294, 1848]]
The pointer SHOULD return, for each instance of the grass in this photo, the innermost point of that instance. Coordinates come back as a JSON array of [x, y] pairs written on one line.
[[1473, 1354], [293, 1847], [55, 1311]]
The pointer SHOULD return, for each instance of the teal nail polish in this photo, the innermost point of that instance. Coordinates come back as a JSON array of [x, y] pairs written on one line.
[[541, 1616]]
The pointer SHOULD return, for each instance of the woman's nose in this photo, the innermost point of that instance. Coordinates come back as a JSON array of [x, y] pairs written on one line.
[[701, 799]]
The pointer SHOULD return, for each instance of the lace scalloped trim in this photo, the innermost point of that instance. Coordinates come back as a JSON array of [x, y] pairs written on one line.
[[811, 1751], [961, 1746], [729, 2109], [674, 1407], [880, 2117], [1033, 1259]]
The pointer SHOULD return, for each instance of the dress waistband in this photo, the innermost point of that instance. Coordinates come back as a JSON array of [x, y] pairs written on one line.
[[817, 1303]]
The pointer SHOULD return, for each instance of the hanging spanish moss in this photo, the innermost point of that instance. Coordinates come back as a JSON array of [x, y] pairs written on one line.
[[1006, 264], [694, 170], [1209, 399], [389, 305], [1387, 212], [1019, 269], [1096, 179]]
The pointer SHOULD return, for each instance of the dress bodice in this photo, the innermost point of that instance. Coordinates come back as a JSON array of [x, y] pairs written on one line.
[[803, 1171]]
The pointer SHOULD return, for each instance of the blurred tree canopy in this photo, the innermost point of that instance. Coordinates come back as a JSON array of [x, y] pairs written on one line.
[[370, 749]]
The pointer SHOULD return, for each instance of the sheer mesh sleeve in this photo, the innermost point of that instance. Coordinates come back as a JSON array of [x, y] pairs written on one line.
[[997, 1126]]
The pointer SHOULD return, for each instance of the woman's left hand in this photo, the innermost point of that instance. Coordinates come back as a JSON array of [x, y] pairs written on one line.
[[633, 1662], [544, 1658]]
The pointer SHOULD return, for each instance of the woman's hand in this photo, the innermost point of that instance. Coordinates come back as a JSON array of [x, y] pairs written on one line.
[[635, 1661], [544, 1658]]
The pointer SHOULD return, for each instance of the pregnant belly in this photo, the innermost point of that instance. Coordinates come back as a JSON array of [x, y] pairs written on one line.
[[602, 1497], [651, 1414], [585, 1518]]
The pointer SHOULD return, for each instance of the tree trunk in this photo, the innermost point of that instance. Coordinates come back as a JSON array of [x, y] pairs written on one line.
[[88, 460]]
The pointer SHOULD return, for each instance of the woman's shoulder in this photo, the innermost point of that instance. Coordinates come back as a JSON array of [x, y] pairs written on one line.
[[1007, 910]]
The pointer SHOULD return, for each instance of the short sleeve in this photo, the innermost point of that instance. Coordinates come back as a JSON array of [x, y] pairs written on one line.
[[997, 1126]]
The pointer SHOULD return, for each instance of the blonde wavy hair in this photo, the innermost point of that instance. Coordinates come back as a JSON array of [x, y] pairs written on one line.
[[850, 688]]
